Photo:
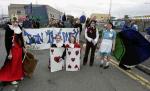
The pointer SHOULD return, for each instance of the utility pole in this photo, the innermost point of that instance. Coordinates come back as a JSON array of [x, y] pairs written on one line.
[[2, 12], [110, 5]]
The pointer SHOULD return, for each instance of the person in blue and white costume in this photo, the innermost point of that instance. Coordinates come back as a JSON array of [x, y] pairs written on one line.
[[107, 45]]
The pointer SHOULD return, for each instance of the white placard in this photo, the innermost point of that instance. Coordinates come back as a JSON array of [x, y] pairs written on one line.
[[55, 55], [72, 59]]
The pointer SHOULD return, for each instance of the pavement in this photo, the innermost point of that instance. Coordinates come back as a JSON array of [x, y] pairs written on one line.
[[87, 79]]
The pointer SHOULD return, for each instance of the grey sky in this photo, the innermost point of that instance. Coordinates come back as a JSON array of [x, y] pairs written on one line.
[[77, 7]]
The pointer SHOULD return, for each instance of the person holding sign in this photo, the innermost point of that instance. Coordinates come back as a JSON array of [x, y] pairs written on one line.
[[72, 43], [91, 35], [72, 55], [58, 44]]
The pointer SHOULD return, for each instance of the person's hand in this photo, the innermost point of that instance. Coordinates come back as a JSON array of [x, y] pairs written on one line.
[[10, 56], [60, 59], [84, 45], [90, 40], [94, 42], [25, 50]]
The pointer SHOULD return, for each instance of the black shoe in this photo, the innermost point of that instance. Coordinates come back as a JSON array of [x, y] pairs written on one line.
[[105, 67], [101, 65], [48, 67], [4, 83], [124, 67], [84, 63], [91, 65]]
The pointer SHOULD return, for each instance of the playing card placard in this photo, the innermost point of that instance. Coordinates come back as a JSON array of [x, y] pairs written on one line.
[[56, 63], [72, 59]]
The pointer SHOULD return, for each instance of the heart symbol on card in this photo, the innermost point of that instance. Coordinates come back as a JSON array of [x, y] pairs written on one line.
[[77, 52], [52, 50], [57, 59], [76, 66], [69, 66], [73, 59], [69, 52]]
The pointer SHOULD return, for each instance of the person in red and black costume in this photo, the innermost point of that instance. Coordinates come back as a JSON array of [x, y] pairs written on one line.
[[72, 43], [12, 70], [91, 35]]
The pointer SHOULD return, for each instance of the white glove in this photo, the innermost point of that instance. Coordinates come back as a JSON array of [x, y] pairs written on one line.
[[94, 42], [90, 40], [10, 56]]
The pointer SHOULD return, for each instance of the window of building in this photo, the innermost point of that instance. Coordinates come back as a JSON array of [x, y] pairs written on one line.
[[18, 12]]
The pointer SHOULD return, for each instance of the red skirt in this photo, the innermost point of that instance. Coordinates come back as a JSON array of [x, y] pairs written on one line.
[[13, 70]]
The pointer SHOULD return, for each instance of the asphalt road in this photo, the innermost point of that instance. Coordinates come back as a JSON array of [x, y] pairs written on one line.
[[87, 79]]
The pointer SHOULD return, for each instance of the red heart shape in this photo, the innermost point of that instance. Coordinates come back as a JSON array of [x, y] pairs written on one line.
[[76, 66], [69, 52], [52, 50], [69, 66], [57, 59], [73, 59], [77, 52]]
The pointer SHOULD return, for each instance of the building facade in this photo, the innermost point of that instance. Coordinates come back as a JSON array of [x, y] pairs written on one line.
[[43, 12], [100, 17]]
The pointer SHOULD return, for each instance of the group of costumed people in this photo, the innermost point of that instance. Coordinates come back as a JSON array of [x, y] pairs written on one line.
[[131, 47], [12, 71], [72, 43], [128, 46], [107, 43]]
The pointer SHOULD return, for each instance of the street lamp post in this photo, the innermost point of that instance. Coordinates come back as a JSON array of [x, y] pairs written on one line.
[[110, 5]]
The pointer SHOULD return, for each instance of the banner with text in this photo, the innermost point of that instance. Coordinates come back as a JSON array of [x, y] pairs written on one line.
[[38, 39]]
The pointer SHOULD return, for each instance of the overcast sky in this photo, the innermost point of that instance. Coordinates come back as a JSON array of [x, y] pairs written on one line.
[[77, 7]]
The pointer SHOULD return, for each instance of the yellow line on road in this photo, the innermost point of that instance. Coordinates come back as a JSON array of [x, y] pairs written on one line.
[[133, 75], [145, 67]]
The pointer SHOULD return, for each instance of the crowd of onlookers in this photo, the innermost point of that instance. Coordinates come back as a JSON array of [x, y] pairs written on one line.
[[68, 23]]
